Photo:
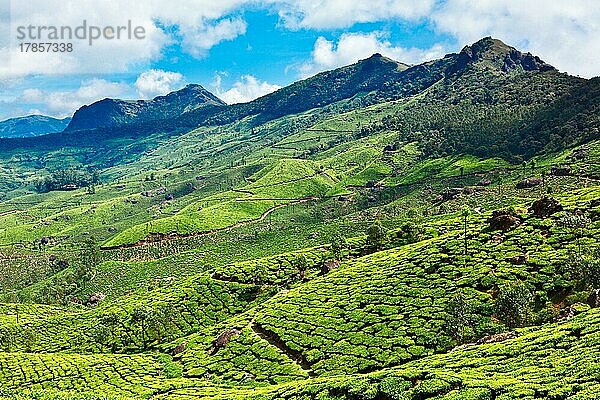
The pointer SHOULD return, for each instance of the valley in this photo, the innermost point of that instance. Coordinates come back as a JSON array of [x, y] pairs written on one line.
[[380, 231]]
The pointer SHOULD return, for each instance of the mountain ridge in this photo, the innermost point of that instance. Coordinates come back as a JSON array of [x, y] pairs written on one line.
[[31, 126], [108, 112]]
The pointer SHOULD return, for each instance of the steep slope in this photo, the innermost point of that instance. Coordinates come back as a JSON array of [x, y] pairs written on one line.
[[31, 125], [320, 90], [495, 100], [111, 112]]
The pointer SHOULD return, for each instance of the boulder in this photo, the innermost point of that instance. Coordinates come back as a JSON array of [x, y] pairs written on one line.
[[594, 299], [451, 193], [223, 340], [497, 238], [329, 266], [545, 207], [579, 154], [571, 311], [518, 260], [560, 171], [503, 220], [529, 183], [179, 349], [95, 299], [484, 182], [497, 338]]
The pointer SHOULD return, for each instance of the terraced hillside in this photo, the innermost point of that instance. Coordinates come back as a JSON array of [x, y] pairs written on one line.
[[435, 235]]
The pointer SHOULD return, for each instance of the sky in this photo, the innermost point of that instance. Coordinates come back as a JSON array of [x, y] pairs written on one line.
[[243, 49]]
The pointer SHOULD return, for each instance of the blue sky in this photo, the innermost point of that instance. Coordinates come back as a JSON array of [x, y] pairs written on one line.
[[242, 49]]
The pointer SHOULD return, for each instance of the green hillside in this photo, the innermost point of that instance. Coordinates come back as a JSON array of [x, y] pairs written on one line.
[[377, 232]]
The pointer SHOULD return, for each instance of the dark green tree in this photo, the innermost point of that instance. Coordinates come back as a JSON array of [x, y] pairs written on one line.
[[376, 235], [513, 304], [338, 244], [461, 318]]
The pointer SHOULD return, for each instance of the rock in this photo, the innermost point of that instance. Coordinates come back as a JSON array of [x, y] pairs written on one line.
[[484, 182], [571, 311], [223, 340], [179, 349], [390, 147], [502, 220], [169, 197], [560, 171], [329, 266], [45, 240], [451, 194], [594, 299], [595, 203], [469, 190], [95, 299], [248, 377], [545, 207], [497, 238], [518, 260], [529, 183], [579, 154], [342, 198], [497, 338]]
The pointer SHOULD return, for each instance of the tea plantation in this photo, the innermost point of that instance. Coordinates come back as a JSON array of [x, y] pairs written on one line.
[[435, 237]]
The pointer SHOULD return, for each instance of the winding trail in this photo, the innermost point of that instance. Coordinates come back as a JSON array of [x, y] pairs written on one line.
[[157, 238]]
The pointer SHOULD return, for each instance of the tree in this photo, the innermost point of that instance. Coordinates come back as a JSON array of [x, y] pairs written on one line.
[[338, 243], [466, 213], [586, 269], [577, 223], [376, 235], [143, 317], [461, 318], [513, 304]]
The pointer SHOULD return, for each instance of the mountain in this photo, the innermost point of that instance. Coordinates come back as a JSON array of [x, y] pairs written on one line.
[[31, 125], [489, 98], [379, 231], [112, 112], [493, 53], [325, 88]]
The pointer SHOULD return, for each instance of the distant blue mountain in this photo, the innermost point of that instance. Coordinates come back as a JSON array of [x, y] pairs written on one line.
[[31, 125]]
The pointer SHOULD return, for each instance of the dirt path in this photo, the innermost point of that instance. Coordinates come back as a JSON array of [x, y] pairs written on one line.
[[157, 238]]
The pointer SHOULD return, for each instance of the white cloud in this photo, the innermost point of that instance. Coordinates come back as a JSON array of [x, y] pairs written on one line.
[[197, 24], [201, 38], [564, 33], [156, 82], [65, 103], [325, 14], [246, 89], [352, 47]]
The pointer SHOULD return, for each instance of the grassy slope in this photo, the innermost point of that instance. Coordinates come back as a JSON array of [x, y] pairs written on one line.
[[299, 334]]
